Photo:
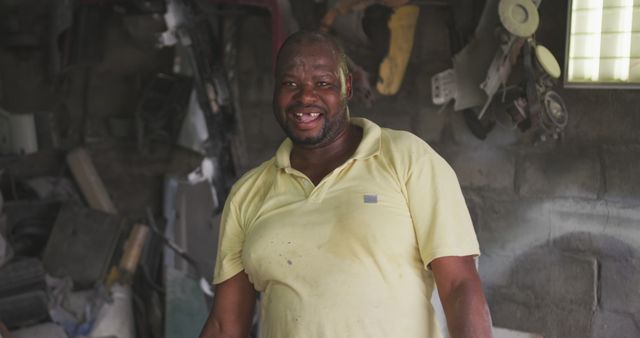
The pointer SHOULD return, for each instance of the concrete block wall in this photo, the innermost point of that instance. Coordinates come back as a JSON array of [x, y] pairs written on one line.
[[559, 172], [622, 165], [559, 227], [558, 221]]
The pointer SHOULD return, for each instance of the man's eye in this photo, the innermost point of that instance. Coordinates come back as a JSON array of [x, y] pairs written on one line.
[[289, 84], [324, 84]]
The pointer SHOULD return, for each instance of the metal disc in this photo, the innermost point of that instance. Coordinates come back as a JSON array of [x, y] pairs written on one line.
[[547, 61], [519, 17], [555, 111]]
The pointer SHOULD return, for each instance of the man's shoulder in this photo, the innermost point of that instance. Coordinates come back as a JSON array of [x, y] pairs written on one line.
[[404, 142], [255, 178]]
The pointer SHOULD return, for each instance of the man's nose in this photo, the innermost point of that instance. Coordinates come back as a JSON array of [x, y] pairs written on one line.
[[307, 94]]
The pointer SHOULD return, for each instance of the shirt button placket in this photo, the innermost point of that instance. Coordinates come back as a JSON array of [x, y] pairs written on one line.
[[307, 186]]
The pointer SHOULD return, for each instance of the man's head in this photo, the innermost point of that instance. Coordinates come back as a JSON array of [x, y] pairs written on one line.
[[312, 87]]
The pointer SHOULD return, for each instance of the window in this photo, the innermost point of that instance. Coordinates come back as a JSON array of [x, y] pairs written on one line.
[[603, 43]]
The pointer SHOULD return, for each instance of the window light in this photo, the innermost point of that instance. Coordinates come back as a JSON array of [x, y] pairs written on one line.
[[603, 43]]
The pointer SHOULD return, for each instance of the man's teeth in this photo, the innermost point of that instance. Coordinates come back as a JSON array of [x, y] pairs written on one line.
[[314, 115]]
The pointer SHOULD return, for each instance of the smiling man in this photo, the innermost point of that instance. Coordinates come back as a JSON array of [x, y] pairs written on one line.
[[308, 118], [348, 228]]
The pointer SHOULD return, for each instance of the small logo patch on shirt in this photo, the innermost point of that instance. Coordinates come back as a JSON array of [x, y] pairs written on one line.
[[371, 199]]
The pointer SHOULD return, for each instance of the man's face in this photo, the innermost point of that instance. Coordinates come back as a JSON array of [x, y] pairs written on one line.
[[311, 94]]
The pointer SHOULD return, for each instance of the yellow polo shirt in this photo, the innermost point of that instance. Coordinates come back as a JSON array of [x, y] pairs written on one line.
[[347, 258]]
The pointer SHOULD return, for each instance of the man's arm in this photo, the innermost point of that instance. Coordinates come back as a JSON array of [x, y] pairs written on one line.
[[462, 297], [232, 310]]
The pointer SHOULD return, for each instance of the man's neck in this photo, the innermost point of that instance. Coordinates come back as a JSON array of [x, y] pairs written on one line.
[[317, 162]]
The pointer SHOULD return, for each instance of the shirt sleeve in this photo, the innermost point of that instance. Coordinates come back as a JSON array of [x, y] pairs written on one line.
[[230, 243], [441, 219]]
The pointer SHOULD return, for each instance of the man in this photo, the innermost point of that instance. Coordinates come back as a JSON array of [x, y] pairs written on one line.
[[346, 229]]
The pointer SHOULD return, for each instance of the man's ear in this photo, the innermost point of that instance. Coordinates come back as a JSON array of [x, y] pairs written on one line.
[[348, 84]]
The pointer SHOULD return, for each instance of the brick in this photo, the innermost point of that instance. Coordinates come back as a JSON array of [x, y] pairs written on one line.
[[482, 167], [622, 165], [511, 227], [566, 323], [495, 269], [596, 245], [513, 310], [614, 325], [499, 332], [557, 278], [587, 121], [559, 172], [619, 286], [517, 311], [608, 218], [601, 116]]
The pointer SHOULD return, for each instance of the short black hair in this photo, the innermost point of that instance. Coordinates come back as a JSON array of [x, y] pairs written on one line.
[[315, 36]]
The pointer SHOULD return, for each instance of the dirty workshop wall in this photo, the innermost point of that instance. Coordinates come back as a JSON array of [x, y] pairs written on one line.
[[558, 221]]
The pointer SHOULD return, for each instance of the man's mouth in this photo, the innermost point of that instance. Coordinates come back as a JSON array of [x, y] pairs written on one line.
[[306, 117]]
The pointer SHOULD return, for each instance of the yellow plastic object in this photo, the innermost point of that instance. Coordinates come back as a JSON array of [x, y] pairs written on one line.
[[519, 17], [343, 7], [392, 69], [132, 251], [547, 61]]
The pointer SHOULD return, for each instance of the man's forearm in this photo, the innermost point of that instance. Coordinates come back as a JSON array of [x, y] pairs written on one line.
[[467, 311], [213, 329], [232, 310]]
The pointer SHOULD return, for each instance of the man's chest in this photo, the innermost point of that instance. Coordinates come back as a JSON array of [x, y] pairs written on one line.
[[307, 233]]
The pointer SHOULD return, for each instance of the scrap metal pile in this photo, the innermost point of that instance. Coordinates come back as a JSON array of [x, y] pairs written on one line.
[[504, 47]]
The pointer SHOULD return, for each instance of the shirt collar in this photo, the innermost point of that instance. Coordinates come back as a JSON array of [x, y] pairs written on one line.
[[369, 145]]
